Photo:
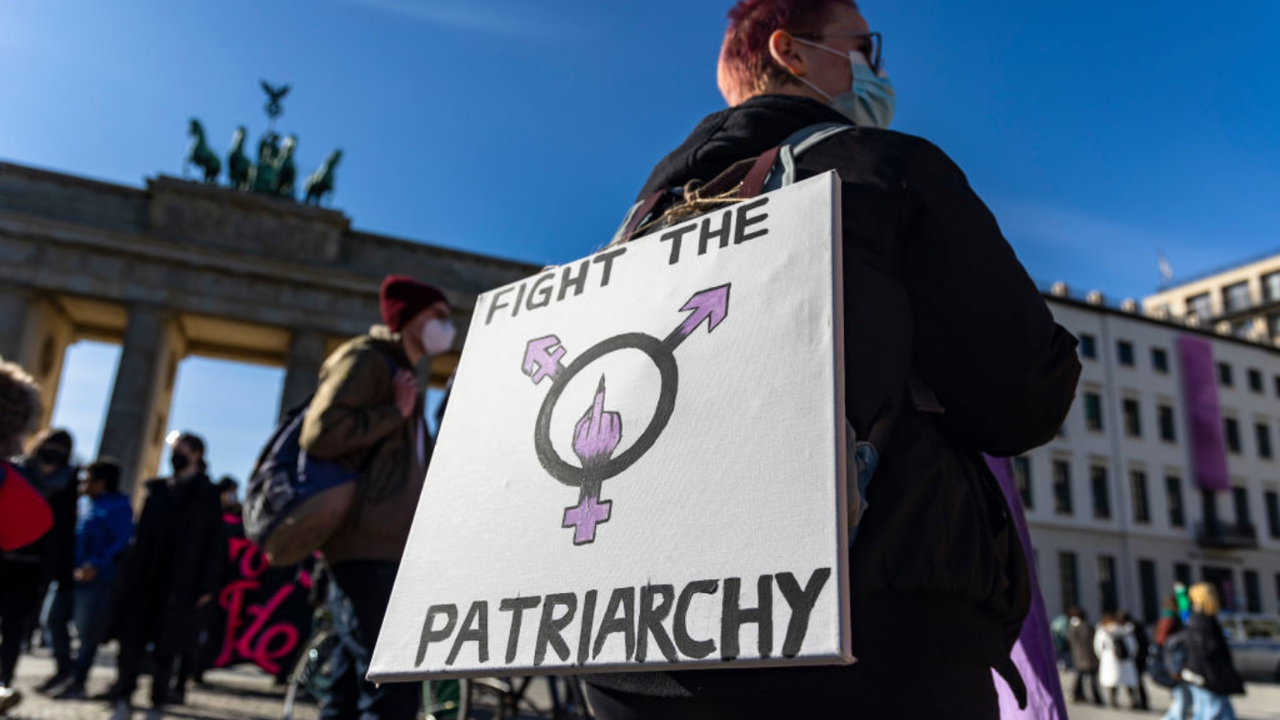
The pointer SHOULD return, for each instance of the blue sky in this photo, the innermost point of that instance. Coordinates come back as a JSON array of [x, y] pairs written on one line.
[[1100, 133]]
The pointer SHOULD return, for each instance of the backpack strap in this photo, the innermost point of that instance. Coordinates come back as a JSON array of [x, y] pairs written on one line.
[[797, 144]]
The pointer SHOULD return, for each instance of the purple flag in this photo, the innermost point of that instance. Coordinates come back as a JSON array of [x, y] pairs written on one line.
[[1204, 419], [1033, 654]]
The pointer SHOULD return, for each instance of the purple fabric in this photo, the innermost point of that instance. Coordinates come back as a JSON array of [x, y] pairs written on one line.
[[1204, 418], [1033, 654]]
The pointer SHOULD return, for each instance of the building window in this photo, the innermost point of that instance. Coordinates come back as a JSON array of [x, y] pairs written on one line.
[[1242, 329], [1273, 325], [1272, 500], [1173, 496], [1276, 381], [1069, 580], [1271, 286], [1101, 494], [1088, 346], [1160, 360], [1235, 297], [1132, 418], [1093, 411], [1182, 574], [1224, 375], [1168, 432], [1141, 504], [1262, 432], [1124, 353], [1022, 472], [1252, 592], [1231, 428], [1240, 498], [1107, 583], [1200, 306], [1255, 380], [1062, 487], [1150, 590]]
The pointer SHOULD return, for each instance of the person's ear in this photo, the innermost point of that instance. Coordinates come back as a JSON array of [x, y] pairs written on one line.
[[782, 49]]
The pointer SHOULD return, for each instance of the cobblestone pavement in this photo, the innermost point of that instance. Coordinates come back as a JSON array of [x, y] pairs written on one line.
[[236, 694], [1261, 703]]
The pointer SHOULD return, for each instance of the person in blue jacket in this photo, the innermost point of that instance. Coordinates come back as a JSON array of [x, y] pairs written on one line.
[[103, 530]]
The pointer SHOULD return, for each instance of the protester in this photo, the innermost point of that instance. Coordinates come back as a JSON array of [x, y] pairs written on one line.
[[25, 518], [28, 571], [1170, 640], [1134, 627], [937, 296], [367, 414], [1083, 656], [172, 569], [1116, 648], [1058, 632], [102, 532], [1209, 670]]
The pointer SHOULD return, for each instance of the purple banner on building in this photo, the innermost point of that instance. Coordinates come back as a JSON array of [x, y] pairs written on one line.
[[1204, 417]]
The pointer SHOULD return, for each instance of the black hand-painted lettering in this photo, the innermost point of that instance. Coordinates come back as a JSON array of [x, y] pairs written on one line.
[[495, 304], [674, 236], [519, 299], [584, 631], [619, 617], [733, 616], [516, 606], [569, 280], [650, 621], [696, 649], [475, 628], [745, 222], [802, 602], [540, 294], [720, 234], [550, 627], [429, 634], [607, 259]]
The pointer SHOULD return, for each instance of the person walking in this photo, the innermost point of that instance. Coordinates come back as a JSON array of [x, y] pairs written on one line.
[[25, 518], [1170, 640], [1083, 656], [1209, 671], [102, 533], [368, 414], [958, 355], [1134, 627], [26, 572], [172, 569], [1116, 648]]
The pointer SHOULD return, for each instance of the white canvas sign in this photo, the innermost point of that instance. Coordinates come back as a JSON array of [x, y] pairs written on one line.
[[642, 463]]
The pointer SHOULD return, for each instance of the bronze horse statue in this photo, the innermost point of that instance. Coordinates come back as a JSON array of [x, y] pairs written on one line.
[[201, 155], [286, 171], [321, 181], [238, 163]]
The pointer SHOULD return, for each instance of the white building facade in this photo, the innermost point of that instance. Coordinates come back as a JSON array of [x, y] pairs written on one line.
[[1114, 503]]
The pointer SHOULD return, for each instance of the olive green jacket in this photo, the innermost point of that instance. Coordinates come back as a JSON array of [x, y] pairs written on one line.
[[353, 420]]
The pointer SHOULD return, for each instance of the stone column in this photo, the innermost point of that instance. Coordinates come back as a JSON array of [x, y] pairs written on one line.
[[139, 409], [13, 316], [302, 367]]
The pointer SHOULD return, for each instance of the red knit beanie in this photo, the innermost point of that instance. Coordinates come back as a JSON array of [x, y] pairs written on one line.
[[403, 297]]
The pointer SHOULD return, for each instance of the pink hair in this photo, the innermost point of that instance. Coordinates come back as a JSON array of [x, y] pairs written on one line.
[[745, 66]]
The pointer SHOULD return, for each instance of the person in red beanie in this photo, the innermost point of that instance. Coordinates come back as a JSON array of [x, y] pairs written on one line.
[[367, 414]]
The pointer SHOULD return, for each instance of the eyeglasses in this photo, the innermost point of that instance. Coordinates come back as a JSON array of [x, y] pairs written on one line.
[[871, 45]]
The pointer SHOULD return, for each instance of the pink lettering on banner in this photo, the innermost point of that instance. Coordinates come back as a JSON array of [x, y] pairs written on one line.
[[259, 629]]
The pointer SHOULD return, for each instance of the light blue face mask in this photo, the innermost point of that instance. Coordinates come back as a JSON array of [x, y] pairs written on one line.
[[869, 102]]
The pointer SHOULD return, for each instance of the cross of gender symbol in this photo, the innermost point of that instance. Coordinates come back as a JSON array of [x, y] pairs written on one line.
[[598, 432]]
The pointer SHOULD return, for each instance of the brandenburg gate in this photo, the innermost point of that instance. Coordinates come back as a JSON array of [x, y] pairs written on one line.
[[183, 268]]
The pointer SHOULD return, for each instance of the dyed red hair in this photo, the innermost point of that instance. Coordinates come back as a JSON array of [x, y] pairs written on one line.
[[745, 66]]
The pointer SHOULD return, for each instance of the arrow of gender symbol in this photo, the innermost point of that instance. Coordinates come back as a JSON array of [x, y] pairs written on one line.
[[598, 433]]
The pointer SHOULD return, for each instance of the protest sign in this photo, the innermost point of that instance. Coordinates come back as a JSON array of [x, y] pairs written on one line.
[[642, 464]]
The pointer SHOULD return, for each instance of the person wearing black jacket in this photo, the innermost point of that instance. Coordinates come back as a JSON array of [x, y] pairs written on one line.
[[1209, 669], [26, 572], [172, 569], [957, 350]]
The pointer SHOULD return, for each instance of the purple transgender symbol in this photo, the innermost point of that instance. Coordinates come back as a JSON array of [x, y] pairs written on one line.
[[595, 437]]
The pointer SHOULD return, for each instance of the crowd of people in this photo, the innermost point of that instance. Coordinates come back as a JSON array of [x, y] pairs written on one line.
[[1187, 653]]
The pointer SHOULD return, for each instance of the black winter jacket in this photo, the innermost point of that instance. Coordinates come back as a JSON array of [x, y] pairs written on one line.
[[1209, 657], [932, 290]]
